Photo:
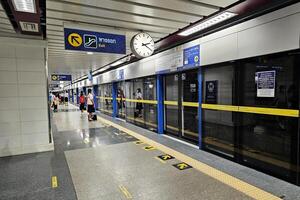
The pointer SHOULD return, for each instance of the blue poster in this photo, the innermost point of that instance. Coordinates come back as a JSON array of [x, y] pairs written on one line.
[[61, 77], [266, 83], [82, 40], [191, 56]]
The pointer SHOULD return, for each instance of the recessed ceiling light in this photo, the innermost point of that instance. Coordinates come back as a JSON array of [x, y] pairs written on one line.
[[24, 6], [89, 53], [207, 23]]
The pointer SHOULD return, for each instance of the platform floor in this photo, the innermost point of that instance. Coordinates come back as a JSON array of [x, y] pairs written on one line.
[[105, 160]]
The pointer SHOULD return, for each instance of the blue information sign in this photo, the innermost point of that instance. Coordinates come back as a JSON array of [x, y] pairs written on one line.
[[61, 77], [191, 56], [82, 40], [120, 74]]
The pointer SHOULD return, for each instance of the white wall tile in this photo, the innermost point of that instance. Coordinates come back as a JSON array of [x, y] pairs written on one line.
[[9, 116], [219, 50], [32, 90], [35, 139], [276, 36], [33, 102], [7, 51], [32, 77], [9, 103], [31, 65], [24, 125], [34, 115], [8, 142], [10, 128], [7, 77], [8, 90], [8, 64], [34, 127], [30, 52]]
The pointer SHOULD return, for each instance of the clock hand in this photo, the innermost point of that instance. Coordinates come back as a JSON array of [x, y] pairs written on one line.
[[145, 44], [148, 48]]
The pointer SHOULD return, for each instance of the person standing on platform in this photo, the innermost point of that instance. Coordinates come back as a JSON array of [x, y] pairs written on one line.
[[139, 105], [55, 102], [82, 102], [90, 104]]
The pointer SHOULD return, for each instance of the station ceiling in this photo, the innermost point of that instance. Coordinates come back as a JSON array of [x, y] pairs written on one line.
[[157, 17]]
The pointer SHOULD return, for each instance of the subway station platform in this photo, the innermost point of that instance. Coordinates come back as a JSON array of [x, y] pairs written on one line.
[[111, 159]]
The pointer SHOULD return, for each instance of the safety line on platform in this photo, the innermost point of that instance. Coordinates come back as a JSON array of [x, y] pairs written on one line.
[[227, 179]]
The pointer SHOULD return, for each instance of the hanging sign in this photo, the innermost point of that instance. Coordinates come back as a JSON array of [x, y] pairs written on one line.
[[61, 77], [82, 40], [266, 83], [191, 56], [211, 92]]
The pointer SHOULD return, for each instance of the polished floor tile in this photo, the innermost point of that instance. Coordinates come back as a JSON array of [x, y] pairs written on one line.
[[106, 168]]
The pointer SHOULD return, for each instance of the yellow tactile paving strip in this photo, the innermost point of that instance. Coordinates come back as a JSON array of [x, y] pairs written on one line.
[[227, 179]]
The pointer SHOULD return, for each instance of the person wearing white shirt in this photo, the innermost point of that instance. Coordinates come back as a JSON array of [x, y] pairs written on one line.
[[139, 105], [90, 104]]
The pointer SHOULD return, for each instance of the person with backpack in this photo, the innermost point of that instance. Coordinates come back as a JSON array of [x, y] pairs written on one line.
[[81, 101]]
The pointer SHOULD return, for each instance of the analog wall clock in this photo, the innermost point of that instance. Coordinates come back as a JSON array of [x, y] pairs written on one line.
[[142, 45]]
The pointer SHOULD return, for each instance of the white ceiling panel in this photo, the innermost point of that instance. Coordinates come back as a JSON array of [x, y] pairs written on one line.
[[133, 9], [107, 22], [219, 3], [178, 5], [112, 15]]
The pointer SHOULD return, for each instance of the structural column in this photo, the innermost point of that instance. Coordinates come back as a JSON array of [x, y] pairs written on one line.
[[200, 107], [77, 95], [95, 91], [72, 95], [160, 104], [114, 96], [69, 95]]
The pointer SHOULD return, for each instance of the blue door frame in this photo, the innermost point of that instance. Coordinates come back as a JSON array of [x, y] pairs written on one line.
[[160, 104], [95, 92], [114, 96], [200, 107]]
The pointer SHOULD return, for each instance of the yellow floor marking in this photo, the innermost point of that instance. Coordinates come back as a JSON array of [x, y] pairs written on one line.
[[160, 160], [139, 142], [54, 182], [149, 148], [227, 179], [125, 192]]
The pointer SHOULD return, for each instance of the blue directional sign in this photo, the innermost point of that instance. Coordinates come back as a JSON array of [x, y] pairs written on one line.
[[61, 77], [191, 56], [82, 40]]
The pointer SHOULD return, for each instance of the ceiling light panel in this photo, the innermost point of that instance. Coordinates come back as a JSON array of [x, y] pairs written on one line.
[[24, 6], [208, 23]]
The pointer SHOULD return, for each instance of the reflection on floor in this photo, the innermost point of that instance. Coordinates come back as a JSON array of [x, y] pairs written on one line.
[[29, 176], [93, 160], [99, 173]]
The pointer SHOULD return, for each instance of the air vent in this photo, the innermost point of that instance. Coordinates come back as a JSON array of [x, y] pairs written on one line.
[[29, 26]]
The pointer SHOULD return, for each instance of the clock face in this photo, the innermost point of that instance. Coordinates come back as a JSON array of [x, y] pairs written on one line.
[[142, 45]]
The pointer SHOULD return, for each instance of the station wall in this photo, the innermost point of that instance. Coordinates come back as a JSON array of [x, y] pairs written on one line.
[[24, 121], [271, 33]]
